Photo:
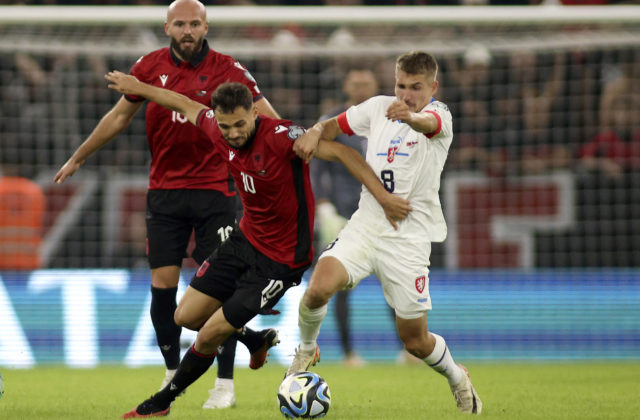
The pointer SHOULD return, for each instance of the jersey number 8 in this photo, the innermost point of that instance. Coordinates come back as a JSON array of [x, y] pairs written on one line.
[[387, 180]]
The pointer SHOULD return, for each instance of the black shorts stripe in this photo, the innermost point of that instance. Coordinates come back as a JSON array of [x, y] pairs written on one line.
[[304, 235]]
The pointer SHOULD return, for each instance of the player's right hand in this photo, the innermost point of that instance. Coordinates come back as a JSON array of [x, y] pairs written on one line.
[[306, 145], [67, 170], [395, 209], [123, 83]]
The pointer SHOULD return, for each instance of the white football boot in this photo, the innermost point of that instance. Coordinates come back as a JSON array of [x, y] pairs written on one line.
[[465, 394], [303, 360], [168, 376], [221, 395]]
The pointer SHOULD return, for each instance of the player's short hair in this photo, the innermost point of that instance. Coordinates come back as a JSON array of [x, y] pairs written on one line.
[[229, 96], [418, 62]]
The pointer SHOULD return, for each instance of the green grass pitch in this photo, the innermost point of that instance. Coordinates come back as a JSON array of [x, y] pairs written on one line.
[[604, 390]]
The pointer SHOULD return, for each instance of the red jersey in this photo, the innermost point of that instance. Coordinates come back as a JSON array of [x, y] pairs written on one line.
[[274, 186], [610, 144], [182, 157]]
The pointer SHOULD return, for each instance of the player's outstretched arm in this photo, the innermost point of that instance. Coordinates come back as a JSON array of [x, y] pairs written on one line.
[[395, 208], [130, 85], [111, 124]]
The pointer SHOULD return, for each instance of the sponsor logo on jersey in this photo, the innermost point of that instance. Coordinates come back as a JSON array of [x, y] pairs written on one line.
[[231, 155], [203, 269], [163, 79], [262, 172], [420, 283], [201, 92], [295, 131], [412, 143]]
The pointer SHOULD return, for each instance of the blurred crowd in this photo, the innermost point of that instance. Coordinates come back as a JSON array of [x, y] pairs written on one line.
[[518, 113]]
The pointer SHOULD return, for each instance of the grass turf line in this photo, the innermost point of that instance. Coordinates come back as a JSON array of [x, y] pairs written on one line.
[[606, 390]]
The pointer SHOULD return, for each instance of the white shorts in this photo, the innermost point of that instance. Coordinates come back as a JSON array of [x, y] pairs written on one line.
[[402, 267]]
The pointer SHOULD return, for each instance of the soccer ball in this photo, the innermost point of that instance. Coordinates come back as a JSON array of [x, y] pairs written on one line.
[[304, 394]]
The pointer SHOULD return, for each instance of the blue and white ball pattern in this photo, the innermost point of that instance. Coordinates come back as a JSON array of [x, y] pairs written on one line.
[[304, 395]]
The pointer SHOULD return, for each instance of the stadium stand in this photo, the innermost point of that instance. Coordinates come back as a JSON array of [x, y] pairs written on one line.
[[545, 167]]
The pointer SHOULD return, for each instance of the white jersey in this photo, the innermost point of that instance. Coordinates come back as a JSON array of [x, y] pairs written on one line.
[[407, 162]]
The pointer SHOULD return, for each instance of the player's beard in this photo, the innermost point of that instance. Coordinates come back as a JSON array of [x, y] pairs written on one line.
[[187, 54]]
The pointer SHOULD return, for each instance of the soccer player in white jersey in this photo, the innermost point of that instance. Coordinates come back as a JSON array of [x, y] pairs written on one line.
[[408, 141]]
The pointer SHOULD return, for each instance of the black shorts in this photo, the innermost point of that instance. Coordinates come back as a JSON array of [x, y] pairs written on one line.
[[244, 280], [173, 214]]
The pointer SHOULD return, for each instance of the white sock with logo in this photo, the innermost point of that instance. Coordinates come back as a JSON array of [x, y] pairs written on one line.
[[309, 321], [442, 362]]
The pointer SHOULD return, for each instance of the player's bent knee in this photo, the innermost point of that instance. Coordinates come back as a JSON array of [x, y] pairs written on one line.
[[317, 295], [416, 347], [328, 278], [182, 319]]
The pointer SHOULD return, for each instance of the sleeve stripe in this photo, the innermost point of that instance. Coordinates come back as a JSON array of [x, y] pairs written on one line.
[[344, 124], [258, 97], [201, 115], [132, 98], [435, 114]]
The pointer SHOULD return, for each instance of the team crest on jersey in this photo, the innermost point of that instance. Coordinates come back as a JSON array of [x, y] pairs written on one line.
[[391, 154], [209, 114], [295, 131], [420, 283], [203, 269], [393, 148]]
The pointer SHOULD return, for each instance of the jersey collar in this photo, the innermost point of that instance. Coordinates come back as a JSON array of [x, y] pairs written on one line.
[[196, 60]]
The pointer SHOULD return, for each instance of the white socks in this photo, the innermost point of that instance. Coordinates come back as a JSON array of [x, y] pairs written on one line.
[[442, 362], [309, 321]]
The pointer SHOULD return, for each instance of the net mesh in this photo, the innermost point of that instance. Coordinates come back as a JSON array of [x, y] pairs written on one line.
[[544, 170]]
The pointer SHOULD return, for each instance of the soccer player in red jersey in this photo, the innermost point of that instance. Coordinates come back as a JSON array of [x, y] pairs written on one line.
[[189, 184], [272, 247]]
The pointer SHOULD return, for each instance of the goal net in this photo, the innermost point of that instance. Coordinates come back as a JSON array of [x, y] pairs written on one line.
[[543, 171]]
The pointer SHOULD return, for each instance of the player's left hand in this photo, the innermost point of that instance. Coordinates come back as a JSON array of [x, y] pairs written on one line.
[[123, 83], [399, 111], [395, 209]]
